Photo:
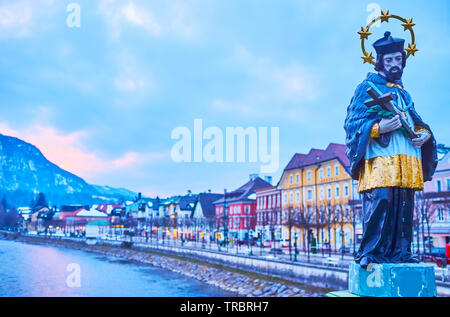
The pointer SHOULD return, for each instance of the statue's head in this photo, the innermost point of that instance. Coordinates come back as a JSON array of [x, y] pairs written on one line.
[[391, 57]]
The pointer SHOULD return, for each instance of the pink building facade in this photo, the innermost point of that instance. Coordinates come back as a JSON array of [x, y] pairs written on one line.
[[268, 214], [437, 192]]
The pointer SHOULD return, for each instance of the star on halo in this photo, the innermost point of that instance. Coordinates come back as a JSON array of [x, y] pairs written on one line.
[[411, 49], [385, 16], [368, 58], [408, 24], [364, 33]]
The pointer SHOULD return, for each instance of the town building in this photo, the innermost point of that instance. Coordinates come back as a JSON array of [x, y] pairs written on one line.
[[320, 202], [268, 214], [435, 204], [236, 211], [202, 220]]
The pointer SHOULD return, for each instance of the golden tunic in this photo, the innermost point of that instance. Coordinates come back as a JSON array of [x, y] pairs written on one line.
[[399, 170]]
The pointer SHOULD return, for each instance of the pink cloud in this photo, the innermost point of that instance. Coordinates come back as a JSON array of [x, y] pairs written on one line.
[[68, 152]]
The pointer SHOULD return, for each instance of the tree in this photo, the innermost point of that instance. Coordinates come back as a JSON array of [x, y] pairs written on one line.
[[423, 205], [40, 201], [290, 220], [321, 223], [356, 217], [4, 204], [8, 218], [305, 220]]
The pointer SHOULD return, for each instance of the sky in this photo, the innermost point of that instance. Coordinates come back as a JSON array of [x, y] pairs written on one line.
[[101, 100]]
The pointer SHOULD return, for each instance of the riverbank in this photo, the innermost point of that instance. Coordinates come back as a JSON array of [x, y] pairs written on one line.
[[236, 281]]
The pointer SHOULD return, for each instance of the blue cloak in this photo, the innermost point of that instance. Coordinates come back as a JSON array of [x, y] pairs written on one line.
[[359, 123]]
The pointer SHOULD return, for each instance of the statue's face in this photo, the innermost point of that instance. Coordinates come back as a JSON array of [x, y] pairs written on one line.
[[393, 68]]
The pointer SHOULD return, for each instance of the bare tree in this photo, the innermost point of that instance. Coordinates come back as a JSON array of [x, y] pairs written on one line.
[[424, 204], [321, 224], [289, 221], [356, 216], [305, 220]]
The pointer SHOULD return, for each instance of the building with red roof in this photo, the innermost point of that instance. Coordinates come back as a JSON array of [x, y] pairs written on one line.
[[235, 211], [319, 199]]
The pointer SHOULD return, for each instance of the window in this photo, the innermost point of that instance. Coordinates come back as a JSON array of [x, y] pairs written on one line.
[[329, 192], [309, 194], [440, 214], [297, 196], [297, 178], [338, 213], [337, 190], [246, 209], [321, 173], [308, 175], [438, 185], [336, 170], [346, 190], [321, 193], [285, 198], [291, 197], [270, 202], [329, 171], [448, 184], [290, 179], [347, 212]]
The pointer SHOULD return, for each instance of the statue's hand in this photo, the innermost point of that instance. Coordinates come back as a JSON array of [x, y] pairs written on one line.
[[421, 139], [389, 125]]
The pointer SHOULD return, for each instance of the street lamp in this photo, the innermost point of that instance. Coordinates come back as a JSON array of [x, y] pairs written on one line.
[[250, 237], [225, 216], [261, 240], [295, 247]]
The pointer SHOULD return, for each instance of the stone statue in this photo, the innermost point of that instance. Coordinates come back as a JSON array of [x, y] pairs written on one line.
[[391, 154]]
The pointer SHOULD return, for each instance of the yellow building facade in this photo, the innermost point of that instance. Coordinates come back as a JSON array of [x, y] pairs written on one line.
[[318, 196]]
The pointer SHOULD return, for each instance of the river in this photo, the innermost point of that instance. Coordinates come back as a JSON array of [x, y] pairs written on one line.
[[37, 270]]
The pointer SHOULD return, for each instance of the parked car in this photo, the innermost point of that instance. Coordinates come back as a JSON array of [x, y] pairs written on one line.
[[345, 249], [324, 246], [440, 256], [276, 251], [285, 243], [265, 243]]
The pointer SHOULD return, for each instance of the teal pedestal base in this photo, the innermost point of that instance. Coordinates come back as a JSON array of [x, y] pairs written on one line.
[[392, 280], [340, 294]]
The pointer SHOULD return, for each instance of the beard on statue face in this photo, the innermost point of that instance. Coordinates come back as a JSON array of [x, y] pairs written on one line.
[[393, 73]]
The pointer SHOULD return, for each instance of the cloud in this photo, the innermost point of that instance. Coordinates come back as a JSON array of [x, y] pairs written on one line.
[[68, 152], [131, 81], [287, 81], [19, 18], [140, 17], [168, 18], [16, 18], [273, 90]]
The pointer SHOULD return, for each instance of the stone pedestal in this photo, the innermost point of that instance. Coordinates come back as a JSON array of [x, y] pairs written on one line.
[[392, 280]]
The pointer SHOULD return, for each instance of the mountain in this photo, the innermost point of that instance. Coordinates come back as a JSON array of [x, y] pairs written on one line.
[[24, 172], [107, 191]]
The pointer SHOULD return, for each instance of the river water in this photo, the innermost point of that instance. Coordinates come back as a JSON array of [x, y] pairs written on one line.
[[36, 270]]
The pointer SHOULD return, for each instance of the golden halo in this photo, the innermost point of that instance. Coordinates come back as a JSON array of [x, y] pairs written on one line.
[[384, 17]]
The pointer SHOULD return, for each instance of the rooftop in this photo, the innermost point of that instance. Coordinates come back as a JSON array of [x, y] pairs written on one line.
[[315, 156]]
